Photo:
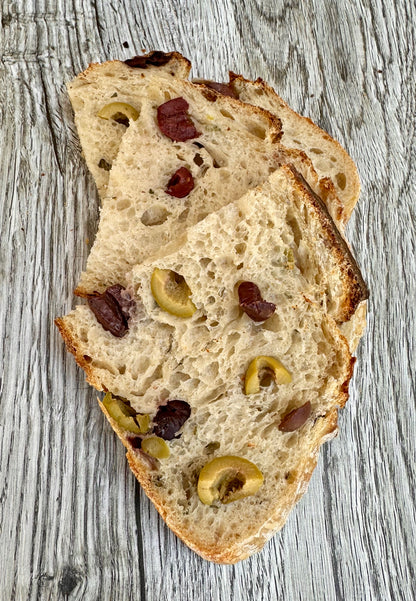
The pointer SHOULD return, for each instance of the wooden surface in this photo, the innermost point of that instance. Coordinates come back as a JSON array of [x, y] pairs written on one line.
[[73, 522]]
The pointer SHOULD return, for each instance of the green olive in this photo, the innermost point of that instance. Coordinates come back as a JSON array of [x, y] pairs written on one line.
[[227, 479], [125, 416], [172, 293], [265, 365], [119, 111], [156, 447]]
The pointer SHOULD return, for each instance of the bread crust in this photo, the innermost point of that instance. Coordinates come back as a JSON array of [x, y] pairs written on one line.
[[350, 198], [72, 347], [355, 288]]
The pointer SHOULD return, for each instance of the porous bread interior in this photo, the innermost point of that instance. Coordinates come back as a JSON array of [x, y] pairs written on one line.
[[271, 237], [258, 532], [203, 360], [105, 83], [329, 158], [236, 151], [138, 216]]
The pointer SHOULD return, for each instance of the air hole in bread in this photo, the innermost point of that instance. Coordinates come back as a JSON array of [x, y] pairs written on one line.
[[322, 348], [167, 95], [201, 319], [297, 142], [211, 447], [240, 248], [123, 204], [184, 215], [198, 160], [139, 367], [341, 180], [291, 476], [211, 275], [333, 159], [122, 369], [256, 130], [178, 378], [214, 324], [316, 150], [83, 334], [226, 114], [154, 215], [87, 359], [105, 366], [204, 262], [273, 324], [294, 225], [291, 441], [210, 301]]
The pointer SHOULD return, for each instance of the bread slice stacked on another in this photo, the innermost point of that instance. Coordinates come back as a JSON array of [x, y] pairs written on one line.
[[222, 301], [116, 83], [232, 147], [330, 160], [279, 238]]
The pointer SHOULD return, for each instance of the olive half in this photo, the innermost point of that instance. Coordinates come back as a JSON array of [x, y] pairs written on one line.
[[155, 447], [264, 366], [119, 111], [172, 293], [125, 416], [227, 479]]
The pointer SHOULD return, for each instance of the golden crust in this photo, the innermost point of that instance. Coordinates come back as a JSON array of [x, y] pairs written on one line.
[[72, 346], [173, 58], [355, 289]]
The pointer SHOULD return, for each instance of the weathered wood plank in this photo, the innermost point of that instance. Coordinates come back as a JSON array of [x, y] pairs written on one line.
[[73, 522]]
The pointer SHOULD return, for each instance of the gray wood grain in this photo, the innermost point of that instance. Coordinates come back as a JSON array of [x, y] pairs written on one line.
[[73, 522]]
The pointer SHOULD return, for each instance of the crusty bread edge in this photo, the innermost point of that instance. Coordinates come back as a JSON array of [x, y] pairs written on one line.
[[71, 347], [142, 465], [355, 185], [355, 288], [92, 67]]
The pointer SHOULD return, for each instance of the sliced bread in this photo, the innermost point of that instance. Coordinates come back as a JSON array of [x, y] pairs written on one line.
[[232, 147], [109, 83], [277, 237], [330, 160]]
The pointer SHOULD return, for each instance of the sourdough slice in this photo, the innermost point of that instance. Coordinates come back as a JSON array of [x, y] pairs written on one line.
[[329, 158], [115, 81], [278, 241], [280, 229], [236, 150]]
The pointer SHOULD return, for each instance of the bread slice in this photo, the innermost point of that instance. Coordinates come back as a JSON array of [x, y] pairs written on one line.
[[236, 149], [330, 160], [278, 237], [115, 81]]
